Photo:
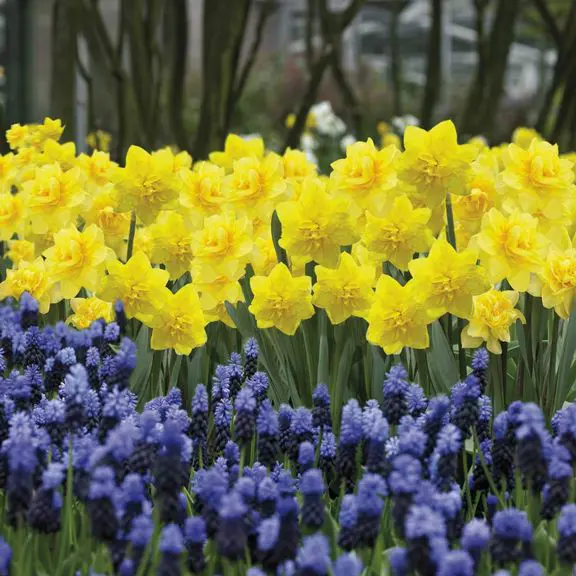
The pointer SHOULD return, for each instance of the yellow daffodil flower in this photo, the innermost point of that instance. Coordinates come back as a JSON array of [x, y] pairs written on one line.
[[88, 310]]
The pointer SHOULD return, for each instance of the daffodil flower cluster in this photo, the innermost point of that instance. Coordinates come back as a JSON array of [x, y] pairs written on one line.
[[179, 241]]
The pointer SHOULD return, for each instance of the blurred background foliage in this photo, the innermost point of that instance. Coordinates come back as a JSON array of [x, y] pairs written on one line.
[[187, 72]]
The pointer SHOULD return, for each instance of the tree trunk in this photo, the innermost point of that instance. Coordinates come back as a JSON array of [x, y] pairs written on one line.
[[501, 40], [434, 66], [63, 78], [223, 26], [395, 65], [177, 18]]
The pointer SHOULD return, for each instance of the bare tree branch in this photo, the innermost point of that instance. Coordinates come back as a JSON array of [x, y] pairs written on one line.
[[550, 21]]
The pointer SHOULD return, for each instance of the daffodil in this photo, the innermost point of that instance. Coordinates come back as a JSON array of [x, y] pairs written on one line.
[[77, 259], [147, 184], [366, 174], [171, 243], [141, 288], [435, 163], [297, 167], [53, 197], [344, 291], [316, 225], [264, 256], [224, 243], [397, 318], [280, 300], [179, 323], [179, 161], [88, 310], [524, 137], [448, 279], [235, 148], [398, 234], [31, 277], [17, 136], [511, 247], [494, 314], [12, 212], [256, 185], [20, 251], [96, 167], [202, 193]]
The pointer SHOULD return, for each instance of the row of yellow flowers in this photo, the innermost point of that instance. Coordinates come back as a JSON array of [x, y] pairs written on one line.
[[374, 230]]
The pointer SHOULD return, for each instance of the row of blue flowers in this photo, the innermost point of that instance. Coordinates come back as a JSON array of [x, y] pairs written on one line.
[[90, 483]]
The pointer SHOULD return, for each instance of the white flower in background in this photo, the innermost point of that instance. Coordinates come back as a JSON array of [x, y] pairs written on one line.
[[347, 141], [308, 142], [327, 123], [311, 156], [400, 123], [250, 136]]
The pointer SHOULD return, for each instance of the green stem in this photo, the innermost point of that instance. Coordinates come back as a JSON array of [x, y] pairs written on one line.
[[504, 370], [552, 377], [131, 234]]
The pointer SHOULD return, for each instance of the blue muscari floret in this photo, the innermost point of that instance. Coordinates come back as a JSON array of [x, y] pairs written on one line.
[[132, 489], [351, 427], [314, 556], [423, 522], [371, 492], [127, 567], [475, 536], [28, 307], [195, 530], [530, 568], [348, 565], [412, 442], [500, 425], [374, 425], [328, 446], [456, 563], [221, 383], [285, 414], [301, 424], [246, 487], [567, 521], [171, 540], [22, 443], [417, 401], [480, 359], [245, 401], [449, 440], [312, 483], [529, 419], [406, 475], [121, 440], [53, 476], [150, 427], [232, 453], [67, 356], [306, 456], [255, 572], [512, 524], [211, 487], [49, 412], [223, 413], [396, 381], [285, 483], [485, 404], [119, 404], [268, 533], [267, 420], [200, 400], [321, 415], [103, 483], [399, 561], [348, 516], [5, 557], [259, 384], [174, 441]]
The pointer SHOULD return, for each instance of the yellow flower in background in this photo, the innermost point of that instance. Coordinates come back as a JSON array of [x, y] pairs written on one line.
[[179, 322], [96, 167], [316, 225], [256, 185], [141, 288], [264, 256], [383, 128], [524, 137], [397, 235], [557, 277], [539, 178], [31, 277], [63, 154], [53, 197], [171, 243], [366, 174], [280, 300], [102, 210], [179, 160], [20, 251], [448, 279], [391, 139], [147, 184], [99, 140], [435, 163], [215, 290], [345, 291], [12, 212], [397, 319], [17, 136], [494, 314], [88, 310], [310, 120], [50, 129], [7, 172], [77, 259], [235, 148], [479, 142], [297, 168], [511, 247], [224, 244], [202, 192]]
